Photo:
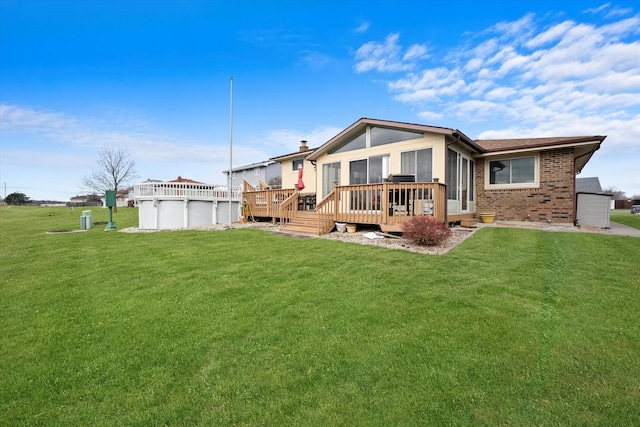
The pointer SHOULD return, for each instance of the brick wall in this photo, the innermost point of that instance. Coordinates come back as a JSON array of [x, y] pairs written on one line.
[[554, 199]]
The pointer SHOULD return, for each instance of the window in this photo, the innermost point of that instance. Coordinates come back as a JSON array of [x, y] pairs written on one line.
[[295, 164], [418, 163], [377, 136], [356, 143], [452, 174], [472, 179], [256, 171], [378, 169], [358, 172], [369, 171], [381, 136], [514, 172], [330, 177], [233, 175]]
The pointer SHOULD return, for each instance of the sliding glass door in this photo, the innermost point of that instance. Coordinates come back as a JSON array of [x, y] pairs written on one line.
[[460, 182]]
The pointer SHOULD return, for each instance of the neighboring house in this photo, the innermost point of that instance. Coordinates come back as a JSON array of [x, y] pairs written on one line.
[[85, 200], [593, 206], [289, 163], [253, 174]]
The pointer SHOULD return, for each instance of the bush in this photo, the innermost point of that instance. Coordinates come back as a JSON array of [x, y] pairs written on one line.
[[425, 231]]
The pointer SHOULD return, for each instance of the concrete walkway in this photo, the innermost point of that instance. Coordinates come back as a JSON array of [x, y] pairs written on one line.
[[621, 230], [615, 229]]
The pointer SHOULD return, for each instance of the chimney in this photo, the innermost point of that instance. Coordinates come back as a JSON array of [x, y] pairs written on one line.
[[303, 146]]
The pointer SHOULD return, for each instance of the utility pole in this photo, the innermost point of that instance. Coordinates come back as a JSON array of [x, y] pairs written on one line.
[[230, 145]]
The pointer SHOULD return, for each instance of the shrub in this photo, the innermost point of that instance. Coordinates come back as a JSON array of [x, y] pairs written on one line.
[[425, 231]]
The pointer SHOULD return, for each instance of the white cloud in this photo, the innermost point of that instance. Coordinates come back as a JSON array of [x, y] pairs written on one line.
[[417, 51], [550, 35], [363, 27], [536, 77], [387, 56], [430, 116], [313, 59], [74, 133]]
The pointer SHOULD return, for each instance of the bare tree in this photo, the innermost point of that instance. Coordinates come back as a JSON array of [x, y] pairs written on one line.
[[617, 194], [114, 169]]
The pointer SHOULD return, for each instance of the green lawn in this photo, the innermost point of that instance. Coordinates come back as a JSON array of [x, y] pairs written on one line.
[[624, 216], [242, 327]]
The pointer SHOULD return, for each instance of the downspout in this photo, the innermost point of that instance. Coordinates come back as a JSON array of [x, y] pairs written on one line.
[[315, 173]]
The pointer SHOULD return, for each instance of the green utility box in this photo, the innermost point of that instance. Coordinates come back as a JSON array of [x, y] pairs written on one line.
[[110, 198]]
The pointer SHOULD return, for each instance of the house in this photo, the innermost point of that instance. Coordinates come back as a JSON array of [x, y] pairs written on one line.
[[455, 177], [289, 163], [85, 200], [532, 179], [267, 172]]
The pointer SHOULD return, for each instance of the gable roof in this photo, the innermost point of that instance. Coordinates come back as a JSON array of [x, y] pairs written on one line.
[[247, 167], [584, 146], [294, 155], [360, 125], [493, 145], [181, 179], [588, 185]]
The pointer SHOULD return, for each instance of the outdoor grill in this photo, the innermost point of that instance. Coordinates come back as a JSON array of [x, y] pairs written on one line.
[[399, 199], [401, 177]]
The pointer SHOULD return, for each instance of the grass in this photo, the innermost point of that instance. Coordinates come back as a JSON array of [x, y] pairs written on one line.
[[624, 216], [242, 327]]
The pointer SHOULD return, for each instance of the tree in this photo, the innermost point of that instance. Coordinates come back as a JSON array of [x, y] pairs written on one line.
[[17, 199], [617, 194], [114, 169]]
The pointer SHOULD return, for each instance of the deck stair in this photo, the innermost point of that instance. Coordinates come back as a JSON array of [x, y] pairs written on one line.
[[303, 222]]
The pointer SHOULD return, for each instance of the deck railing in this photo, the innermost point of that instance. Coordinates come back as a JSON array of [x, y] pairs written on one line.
[[180, 190], [266, 203], [326, 213], [383, 203], [389, 203]]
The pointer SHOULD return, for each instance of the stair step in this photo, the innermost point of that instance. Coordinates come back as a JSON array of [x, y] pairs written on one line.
[[304, 222]]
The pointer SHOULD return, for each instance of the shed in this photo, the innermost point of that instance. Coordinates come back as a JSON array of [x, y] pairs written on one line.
[[593, 205]]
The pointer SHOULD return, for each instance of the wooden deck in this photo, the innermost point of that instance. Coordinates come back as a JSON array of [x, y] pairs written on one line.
[[387, 205]]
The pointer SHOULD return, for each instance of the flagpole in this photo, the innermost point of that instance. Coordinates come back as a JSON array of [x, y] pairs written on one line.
[[230, 145]]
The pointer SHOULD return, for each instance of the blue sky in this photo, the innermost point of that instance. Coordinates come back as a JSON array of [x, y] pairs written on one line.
[[153, 76]]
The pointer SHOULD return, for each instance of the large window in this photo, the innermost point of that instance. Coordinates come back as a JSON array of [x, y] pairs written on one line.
[[330, 177], [369, 171], [514, 172], [418, 163], [358, 172], [376, 136], [356, 143], [381, 136], [378, 169]]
